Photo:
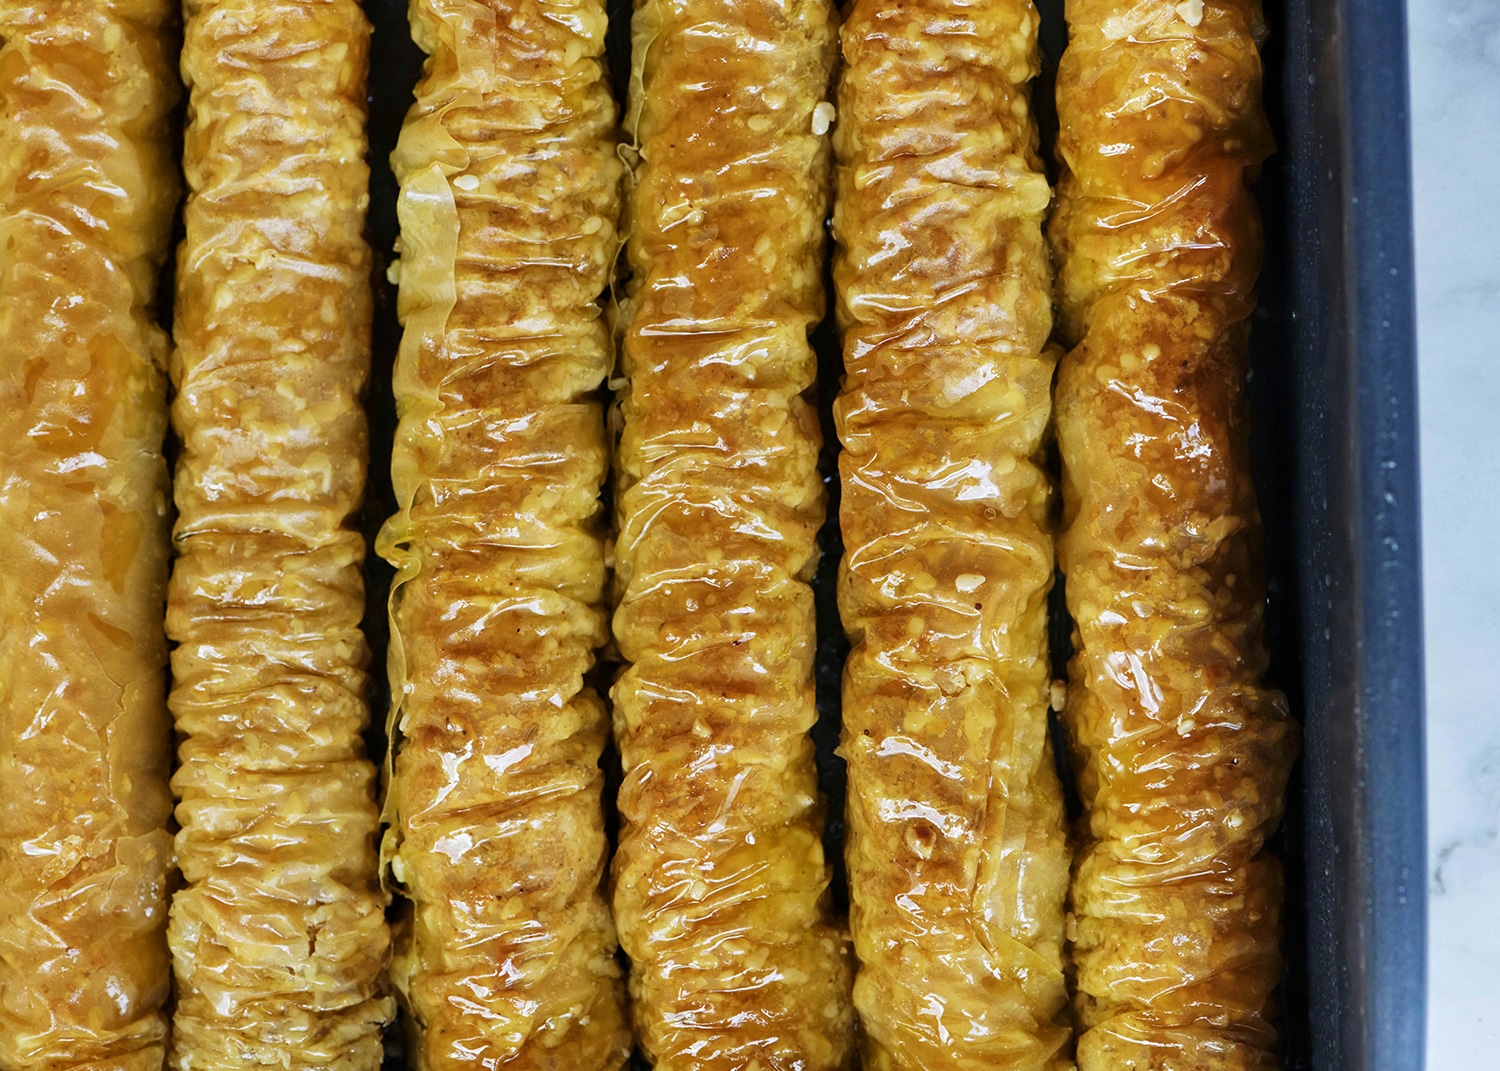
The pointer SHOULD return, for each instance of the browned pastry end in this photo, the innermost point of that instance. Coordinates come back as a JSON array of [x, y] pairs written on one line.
[[957, 858], [720, 884], [87, 189], [279, 940], [1182, 753], [509, 209]]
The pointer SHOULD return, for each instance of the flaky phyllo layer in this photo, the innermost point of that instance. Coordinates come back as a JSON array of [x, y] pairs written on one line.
[[1182, 753], [508, 209], [279, 939], [957, 861], [87, 188], [720, 882]]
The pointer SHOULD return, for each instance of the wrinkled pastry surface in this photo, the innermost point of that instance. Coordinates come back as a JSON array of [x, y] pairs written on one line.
[[87, 188], [957, 859], [720, 880], [279, 940], [508, 208], [1182, 752]]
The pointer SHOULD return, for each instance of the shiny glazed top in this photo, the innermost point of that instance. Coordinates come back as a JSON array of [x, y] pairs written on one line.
[[1182, 753], [508, 209], [87, 187], [957, 858], [279, 940], [720, 885]]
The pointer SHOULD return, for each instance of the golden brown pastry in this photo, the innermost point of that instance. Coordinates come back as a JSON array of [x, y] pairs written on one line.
[[87, 188], [509, 206], [1182, 753], [720, 880], [958, 864], [279, 940]]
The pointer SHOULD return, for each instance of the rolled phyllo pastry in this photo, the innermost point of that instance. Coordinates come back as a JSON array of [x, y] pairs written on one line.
[[88, 185], [1181, 750], [508, 208], [278, 935], [958, 864], [720, 883]]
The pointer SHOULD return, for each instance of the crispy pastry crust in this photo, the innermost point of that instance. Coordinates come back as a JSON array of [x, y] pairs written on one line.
[[720, 879], [87, 187], [509, 206], [957, 859], [279, 941], [1182, 754]]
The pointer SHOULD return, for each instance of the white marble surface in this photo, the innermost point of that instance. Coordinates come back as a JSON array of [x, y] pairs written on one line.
[[1455, 79]]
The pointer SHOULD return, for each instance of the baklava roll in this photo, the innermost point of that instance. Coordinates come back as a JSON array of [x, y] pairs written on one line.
[[279, 940], [958, 863], [510, 194], [1182, 752], [87, 189], [720, 880]]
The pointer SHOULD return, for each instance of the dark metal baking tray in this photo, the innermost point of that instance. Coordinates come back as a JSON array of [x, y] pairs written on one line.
[[1351, 521], [1333, 391]]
